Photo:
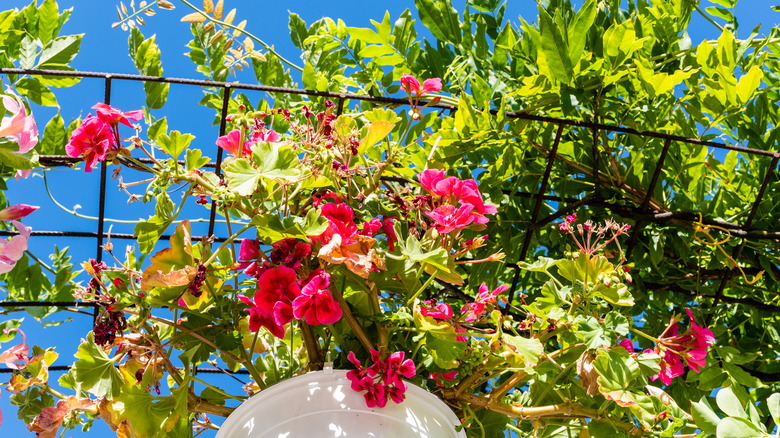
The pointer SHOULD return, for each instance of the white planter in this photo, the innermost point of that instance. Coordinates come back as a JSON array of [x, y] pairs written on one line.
[[321, 404]]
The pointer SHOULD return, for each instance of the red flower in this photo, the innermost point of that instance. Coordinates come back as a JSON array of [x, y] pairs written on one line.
[[370, 228], [412, 86], [448, 219], [387, 226], [92, 140], [315, 304], [438, 183], [112, 116], [472, 311], [258, 318], [439, 377], [382, 380], [289, 252], [274, 285]]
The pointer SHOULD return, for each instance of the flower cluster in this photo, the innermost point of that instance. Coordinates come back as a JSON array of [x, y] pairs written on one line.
[[281, 295], [592, 238], [674, 348], [458, 203], [240, 146], [486, 300], [412, 86], [99, 135], [382, 380]]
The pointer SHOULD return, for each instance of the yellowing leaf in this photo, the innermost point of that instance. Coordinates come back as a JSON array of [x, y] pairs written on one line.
[[376, 133], [177, 277], [195, 17]]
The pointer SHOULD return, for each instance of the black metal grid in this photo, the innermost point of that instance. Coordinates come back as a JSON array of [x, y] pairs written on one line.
[[640, 215]]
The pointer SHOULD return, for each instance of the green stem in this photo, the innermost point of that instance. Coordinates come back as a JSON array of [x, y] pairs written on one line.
[[217, 389], [705, 15], [226, 243], [252, 37], [425, 285]]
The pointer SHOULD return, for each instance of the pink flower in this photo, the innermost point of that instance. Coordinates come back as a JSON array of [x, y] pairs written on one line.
[[473, 311], [671, 367], [396, 367], [247, 256], [12, 250], [441, 312], [17, 211], [439, 377], [258, 318], [22, 174], [412, 86], [627, 345], [339, 222], [387, 226], [268, 135], [289, 252], [448, 219], [437, 182], [231, 143], [112, 116], [91, 140], [315, 304], [370, 228], [274, 285], [20, 127], [467, 192], [17, 353], [382, 380]]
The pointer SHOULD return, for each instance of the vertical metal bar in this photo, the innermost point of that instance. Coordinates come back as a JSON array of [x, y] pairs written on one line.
[[340, 108], [738, 250], [222, 126], [648, 195], [542, 189], [102, 200]]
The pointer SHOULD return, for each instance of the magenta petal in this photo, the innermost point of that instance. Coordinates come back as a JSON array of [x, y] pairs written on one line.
[[17, 211]]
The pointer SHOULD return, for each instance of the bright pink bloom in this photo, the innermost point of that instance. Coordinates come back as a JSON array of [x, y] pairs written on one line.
[[467, 192], [91, 140], [258, 318], [448, 219], [387, 226], [412, 86], [19, 127], [339, 222], [231, 143], [274, 285], [315, 304], [627, 344], [17, 211], [441, 312], [438, 183], [113, 116], [12, 250], [22, 173], [396, 367], [289, 252], [370, 228], [248, 255], [17, 353], [382, 380], [474, 311], [671, 367], [268, 135], [439, 377]]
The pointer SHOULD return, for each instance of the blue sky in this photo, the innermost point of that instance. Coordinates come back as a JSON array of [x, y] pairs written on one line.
[[105, 49]]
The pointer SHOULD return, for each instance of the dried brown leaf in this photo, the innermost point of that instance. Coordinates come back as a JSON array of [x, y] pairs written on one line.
[[175, 278], [241, 26], [359, 257], [208, 27], [587, 373], [149, 12], [140, 20], [124, 8]]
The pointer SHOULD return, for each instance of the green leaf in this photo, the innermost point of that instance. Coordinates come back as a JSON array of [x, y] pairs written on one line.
[[598, 335], [773, 403], [732, 427], [240, 176], [413, 250], [53, 140], [28, 52], [48, 19], [146, 57], [160, 126], [149, 416], [440, 18], [36, 91], [61, 51], [270, 228], [554, 48], [194, 160], [366, 35], [704, 417], [175, 144], [445, 352], [748, 84], [529, 349], [10, 156], [275, 161], [298, 30], [95, 371], [578, 31], [729, 403], [377, 132], [150, 230]]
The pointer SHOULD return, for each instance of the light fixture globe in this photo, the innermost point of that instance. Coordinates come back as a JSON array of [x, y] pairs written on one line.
[[321, 404]]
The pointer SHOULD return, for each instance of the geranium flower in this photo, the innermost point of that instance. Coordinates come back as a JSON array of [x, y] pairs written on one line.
[[441, 312], [12, 250], [387, 226], [17, 211], [289, 252], [274, 285], [258, 318], [691, 346], [438, 183], [267, 135], [371, 227], [382, 380], [112, 116], [19, 127], [447, 218], [315, 304], [467, 192], [440, 377], [231, 143], [91, 140], [473, 311], [412, 86]]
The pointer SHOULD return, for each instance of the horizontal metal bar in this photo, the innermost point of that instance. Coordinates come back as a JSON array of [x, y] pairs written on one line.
[[378, 99], [47, 304], [122, 236]]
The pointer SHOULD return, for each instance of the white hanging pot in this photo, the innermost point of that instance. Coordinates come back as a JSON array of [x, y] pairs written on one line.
[[322, 404]]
